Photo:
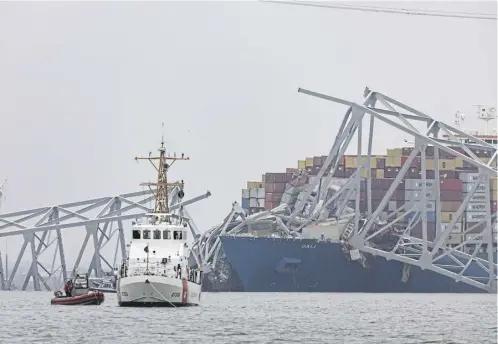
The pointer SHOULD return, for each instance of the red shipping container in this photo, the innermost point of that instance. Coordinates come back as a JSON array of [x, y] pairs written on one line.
[[451, 195], [416, 162], [431, 231], [273, 197], [493, 206], [275, 177], [451, 184], [274, 187]]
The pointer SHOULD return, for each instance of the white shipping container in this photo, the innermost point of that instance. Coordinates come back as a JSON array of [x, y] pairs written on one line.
[[478, 198], [473, 236], [261, 193], [253, 203], [245, 193], [261, 203], [457, 228], [477, 207], [391, 206], [418, 204], [417, 195], [476, 217], [253, 193], [468, 177], [416, 184], [467, 187]]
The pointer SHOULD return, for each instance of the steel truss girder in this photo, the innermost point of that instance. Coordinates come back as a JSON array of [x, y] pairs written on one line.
[[429, 252], [100, 227]]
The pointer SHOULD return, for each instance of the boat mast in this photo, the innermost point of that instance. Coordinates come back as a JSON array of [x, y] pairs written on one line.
[[162, 202]]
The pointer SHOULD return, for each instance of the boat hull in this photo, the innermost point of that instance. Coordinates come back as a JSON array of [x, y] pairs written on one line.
[[157, 291], [104, 290], [305, 265], [92, 298]]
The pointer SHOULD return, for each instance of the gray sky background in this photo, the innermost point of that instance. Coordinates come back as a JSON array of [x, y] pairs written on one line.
[[84, 88]]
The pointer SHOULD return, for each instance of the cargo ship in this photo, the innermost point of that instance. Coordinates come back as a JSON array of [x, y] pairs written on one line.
[[260, 261]]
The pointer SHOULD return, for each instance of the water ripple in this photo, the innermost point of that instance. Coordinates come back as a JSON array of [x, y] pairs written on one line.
[[28, 317]]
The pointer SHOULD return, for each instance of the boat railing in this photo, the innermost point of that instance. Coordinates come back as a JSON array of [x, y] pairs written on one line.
[[161, 269]]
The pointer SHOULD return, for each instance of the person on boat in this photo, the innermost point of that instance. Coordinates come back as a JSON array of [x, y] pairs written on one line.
[[68, 288]]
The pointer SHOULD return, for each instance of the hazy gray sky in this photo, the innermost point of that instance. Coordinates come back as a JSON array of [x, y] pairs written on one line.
[[84, 88]]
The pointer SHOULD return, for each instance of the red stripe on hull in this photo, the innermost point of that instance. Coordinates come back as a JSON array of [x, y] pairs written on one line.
[[184, 291]]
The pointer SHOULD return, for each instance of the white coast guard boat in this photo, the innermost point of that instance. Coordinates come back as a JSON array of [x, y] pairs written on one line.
[[156, 272]]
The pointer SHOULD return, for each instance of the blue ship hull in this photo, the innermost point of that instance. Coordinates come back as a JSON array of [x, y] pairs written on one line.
[[305, 265]]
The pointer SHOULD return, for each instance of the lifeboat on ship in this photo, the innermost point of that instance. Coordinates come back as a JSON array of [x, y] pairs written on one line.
[[80, 294]]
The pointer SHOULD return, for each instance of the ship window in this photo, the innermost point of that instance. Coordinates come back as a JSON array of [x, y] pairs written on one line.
[[184, 235], [146, 234], [444, 164], [136, 234], [157, 234], [177, 235], [166, 234]]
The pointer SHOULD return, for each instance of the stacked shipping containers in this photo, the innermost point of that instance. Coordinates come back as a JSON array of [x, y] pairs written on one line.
[[454, 174], [253, 198]]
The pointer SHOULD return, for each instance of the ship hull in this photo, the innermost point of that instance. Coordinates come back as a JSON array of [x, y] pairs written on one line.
[[157, 291], [305, 265]]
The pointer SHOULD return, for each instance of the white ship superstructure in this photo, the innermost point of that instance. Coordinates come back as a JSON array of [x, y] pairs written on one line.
[[156, 271]]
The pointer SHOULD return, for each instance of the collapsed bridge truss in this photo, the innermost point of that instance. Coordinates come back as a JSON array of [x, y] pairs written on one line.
[[101, 218], [361, 231]]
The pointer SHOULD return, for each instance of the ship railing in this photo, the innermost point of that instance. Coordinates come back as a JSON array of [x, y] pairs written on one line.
[[165, 270]]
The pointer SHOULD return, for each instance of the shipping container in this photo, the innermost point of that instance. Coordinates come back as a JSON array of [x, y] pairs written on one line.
[[493, 206], [457, 228], [450, 206], [255, 185], [253, 193], [245, 193], [413, 173], [417, 205], [430, 174], [273, 197], [275, 177], [309, 162], [316, 169], [467, 187], [393, 161], [245, 203], [405, 151], [494, 184], [447, 216], [317, 161], [475, 216], [339, 172], [253, 203], [450, 184], [447, 174], [475, 227], [324, 159], [477, 207], [416, 162], [274, 187], [391, 206], [417, 195], [494, 195], [380, 163], [416, 184], [477, 198], [458, 162], [468, 177], [379, 173], [301, 164], [348, 172], [261, 202], [261, 193], [416, 231], [391, 172], [291, 170]]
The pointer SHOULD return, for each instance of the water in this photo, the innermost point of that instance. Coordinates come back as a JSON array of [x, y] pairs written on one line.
[[28, 317]]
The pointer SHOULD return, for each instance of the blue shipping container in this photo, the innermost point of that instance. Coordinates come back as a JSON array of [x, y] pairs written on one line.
[[245, 203]]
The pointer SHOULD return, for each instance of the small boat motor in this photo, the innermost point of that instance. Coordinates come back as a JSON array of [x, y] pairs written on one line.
[[57, 293]]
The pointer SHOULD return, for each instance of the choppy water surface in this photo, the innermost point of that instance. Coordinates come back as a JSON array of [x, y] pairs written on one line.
[[28, 317]]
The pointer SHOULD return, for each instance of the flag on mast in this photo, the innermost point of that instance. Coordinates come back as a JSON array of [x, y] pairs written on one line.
[[146, 249]]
